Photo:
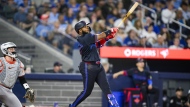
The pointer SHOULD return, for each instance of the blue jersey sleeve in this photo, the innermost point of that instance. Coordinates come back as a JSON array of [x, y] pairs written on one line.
[[90, 38]]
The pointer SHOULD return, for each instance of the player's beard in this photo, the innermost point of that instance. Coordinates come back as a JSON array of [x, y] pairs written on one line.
[[85, 32]]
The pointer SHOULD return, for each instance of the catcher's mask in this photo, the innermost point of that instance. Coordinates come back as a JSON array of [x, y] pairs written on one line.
[[6, 46]]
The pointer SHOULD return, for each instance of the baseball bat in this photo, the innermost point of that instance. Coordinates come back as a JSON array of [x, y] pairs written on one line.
[[129, 13]]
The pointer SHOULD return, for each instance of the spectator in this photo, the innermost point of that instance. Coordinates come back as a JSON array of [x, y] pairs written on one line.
[[18, 2], [68, 43], [178, 35], [69, 17], [160, 43], [9, 10], [113, 42], [139, 16], [55, 43], [99, 15], [127, 24], [150, 34], [132, 39], [158, 9], [84, 9], [110, 5], [102, 25], [165, 33], [74, 6], [149, 22], [23, 2], [43, 29], [56, 69], [112, 17], [185, 11], [68, 47], [80, 16], [63, 6], [143, 80], [103, 7], [139, 27], [163, 4], [180, 19], [93, 19], [64, 27], [178, 100], [176, 45], [43, 8], [121, 35], [143, 42], [96, 28], [168, 14], [58, 29], [32, 10], [53, 16], [177, 3], [90, 5], [120, 7], [29, 24], [20, 16], [26, 4], [188, 43]]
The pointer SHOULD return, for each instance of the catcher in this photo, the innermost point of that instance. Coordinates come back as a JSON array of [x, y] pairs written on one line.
[[12, 68]]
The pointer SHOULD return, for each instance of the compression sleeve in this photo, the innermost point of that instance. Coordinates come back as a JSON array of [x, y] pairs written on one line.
[[23, 82]]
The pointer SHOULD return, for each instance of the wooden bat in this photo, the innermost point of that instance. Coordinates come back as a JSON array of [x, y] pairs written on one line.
[[129, 13]]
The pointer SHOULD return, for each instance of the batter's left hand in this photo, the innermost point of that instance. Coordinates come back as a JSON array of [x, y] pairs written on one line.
[[150, 87]]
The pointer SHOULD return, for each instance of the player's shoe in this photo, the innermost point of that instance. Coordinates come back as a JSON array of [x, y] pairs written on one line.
[[112, 100]]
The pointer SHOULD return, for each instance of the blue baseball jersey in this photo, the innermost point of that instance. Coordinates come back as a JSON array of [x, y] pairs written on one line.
[[87, 47]]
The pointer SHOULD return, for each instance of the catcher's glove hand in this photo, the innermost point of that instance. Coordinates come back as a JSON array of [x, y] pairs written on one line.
[[30, 95]]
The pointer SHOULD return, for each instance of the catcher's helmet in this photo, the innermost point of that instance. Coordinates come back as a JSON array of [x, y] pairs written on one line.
[[80, 25], [4, 49]]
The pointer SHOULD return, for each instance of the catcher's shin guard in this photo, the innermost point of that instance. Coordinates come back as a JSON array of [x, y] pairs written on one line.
[[112, 100]]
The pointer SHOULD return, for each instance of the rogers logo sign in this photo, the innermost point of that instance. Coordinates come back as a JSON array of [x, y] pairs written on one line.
[[138, 52]]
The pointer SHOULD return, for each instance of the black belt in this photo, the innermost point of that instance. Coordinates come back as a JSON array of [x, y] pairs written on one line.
[[92, 62]]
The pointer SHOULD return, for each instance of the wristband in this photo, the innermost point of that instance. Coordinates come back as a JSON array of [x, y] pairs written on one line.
[[26, 86]]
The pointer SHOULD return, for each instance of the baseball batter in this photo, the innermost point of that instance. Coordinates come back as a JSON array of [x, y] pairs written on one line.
[[91, 69], [12, 68]]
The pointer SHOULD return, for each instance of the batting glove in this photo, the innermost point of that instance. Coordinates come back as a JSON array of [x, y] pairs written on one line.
[[114, 30]]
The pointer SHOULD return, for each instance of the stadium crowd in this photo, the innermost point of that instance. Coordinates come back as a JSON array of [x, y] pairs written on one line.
[[53, 21]]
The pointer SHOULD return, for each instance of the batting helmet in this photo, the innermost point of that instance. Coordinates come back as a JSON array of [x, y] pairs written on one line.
[[80, 25]]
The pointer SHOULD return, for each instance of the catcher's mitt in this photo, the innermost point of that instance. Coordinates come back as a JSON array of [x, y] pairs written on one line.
[[30, 95]]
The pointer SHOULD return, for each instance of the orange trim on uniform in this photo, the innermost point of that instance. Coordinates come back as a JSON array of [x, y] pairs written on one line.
[[11, 62]]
